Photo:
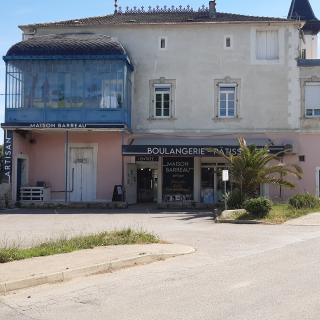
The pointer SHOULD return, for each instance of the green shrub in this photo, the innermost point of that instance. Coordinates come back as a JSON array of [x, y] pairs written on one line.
[[234, 199], [304, 200], [258, 207]]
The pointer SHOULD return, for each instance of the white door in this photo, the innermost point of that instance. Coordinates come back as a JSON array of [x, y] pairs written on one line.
[[131, 184], [82, 174]]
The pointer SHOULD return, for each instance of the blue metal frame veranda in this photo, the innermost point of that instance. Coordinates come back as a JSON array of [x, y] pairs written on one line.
[[109, 102]]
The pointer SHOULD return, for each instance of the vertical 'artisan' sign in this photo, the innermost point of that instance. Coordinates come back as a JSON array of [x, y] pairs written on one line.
[[7, 155]]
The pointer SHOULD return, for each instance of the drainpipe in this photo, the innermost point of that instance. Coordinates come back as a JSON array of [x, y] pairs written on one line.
[[66, 165], [122, 167]]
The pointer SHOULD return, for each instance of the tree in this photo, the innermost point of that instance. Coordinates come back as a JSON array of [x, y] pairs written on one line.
[[254, 166]]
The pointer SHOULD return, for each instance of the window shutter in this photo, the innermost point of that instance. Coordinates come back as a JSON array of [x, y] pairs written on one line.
[[312, 96], [272, 41], [261, 45], [267, 45]]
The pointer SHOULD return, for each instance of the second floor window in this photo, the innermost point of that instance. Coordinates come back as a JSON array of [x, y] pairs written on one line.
[[227, 101], [66, 84], [162, 100], [267, 45], [312, 99]]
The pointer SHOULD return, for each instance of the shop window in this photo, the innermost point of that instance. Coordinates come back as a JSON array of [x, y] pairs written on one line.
[[178, 179], [227, 101], [212, 185], [267, 45], [312, 99]]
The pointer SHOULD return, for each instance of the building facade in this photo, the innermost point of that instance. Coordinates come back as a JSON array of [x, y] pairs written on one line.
[[141, 99]]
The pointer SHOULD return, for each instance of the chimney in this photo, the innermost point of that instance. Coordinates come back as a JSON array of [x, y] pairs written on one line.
[[212, 9]]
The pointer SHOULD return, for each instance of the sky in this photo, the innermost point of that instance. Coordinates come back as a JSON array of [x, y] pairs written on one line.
[[19, 12]]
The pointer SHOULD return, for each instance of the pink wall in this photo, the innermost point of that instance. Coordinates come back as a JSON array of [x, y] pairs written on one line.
[[307, 144], [47, 159]]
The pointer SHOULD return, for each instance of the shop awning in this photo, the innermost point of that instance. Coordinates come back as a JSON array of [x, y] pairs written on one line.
[[195, 147]]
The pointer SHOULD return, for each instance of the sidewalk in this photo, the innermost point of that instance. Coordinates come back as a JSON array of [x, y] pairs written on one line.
[[312, 219], [58, 268]]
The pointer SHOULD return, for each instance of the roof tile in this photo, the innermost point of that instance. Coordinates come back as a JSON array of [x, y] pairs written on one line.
[[159, 17]]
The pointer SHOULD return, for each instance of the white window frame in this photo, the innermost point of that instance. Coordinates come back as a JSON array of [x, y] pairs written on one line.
[[162, 100], [225, 42], [313, 115], [220, 88]]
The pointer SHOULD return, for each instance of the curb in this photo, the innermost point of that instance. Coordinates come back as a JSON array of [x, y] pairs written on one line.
[[106, 267], [241, 221]]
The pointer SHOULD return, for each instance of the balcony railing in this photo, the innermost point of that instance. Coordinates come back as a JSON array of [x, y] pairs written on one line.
[[308, 62], [74, 115]]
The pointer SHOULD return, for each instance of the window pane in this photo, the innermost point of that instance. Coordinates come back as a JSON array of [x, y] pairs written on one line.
[[231, 105], [166, 112], [223, 112], [163, 43], [309, 112], [223, 96], [317, 112], [158, 112], [162, 89], [227, 89], [166, 97], [158, 97], [231, 109], [223, 104]]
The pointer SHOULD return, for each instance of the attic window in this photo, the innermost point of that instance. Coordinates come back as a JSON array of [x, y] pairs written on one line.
[[163, 43], [228, 42]]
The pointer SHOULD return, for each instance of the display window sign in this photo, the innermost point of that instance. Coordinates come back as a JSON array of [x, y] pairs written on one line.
[[147, 159], [7, 155], [225, 175], [61, 125], [178, 175]]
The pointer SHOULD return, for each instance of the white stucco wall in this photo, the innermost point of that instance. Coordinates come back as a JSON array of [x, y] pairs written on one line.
[[195, 58], [311, 46]]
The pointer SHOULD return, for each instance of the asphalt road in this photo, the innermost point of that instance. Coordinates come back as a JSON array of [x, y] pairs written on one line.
[[238, 272]]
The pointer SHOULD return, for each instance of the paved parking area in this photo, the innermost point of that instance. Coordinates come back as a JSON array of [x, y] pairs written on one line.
[[238, 272]]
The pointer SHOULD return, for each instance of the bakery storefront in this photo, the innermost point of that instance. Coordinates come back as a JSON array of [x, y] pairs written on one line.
[[169, 171]]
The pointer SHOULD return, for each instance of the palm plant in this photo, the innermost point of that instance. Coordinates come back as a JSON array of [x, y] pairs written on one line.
[[254, 166]]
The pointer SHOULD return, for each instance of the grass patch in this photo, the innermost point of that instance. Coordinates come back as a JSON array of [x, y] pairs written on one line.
[[121, 237], [279, 213]]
